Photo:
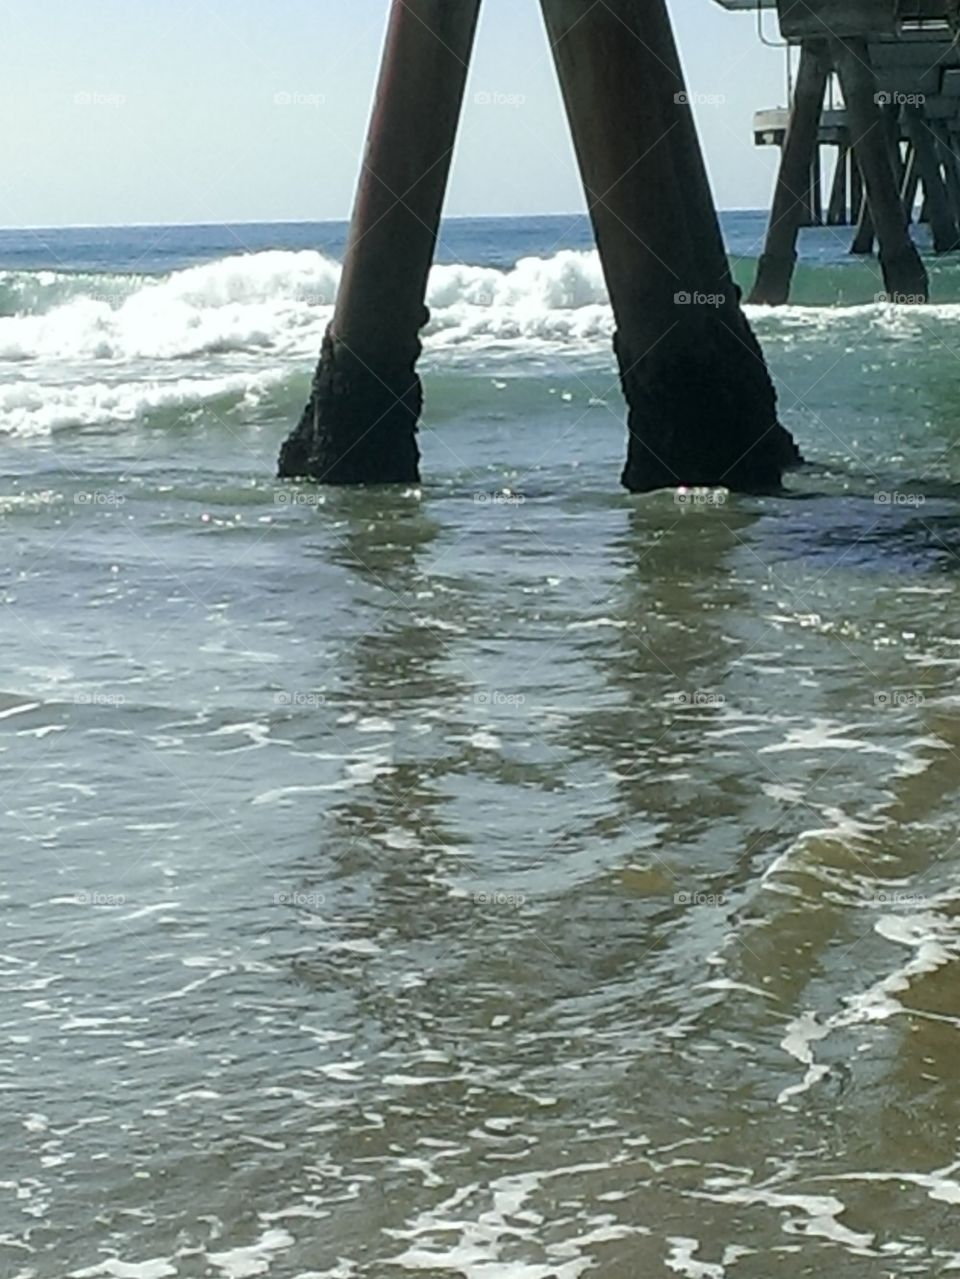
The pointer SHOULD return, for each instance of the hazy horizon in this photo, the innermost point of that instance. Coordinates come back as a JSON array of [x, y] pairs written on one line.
[[222, 222]]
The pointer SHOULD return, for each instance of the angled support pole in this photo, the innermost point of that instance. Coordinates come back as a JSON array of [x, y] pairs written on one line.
[[904, 274], [837, 206], [702, 409], [360, 425], [856, 188], [863, 235], [892, 112], [910, 184], [942, 221], [776, 266], [948, 158]]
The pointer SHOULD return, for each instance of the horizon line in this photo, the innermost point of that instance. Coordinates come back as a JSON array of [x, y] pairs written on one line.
[[227, 222]]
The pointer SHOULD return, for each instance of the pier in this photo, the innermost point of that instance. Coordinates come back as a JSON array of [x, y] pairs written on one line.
[[895, 137], [701, 405]]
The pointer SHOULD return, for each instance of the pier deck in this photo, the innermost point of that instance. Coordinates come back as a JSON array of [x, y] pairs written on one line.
[[896, 135]]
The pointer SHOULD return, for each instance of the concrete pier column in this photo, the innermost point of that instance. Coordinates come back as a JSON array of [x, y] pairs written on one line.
[[777, 262], [904, 274], [942, 222], [361, 422], [702, 409]]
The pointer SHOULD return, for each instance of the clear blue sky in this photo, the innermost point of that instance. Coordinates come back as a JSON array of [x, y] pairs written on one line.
[[123, 111]]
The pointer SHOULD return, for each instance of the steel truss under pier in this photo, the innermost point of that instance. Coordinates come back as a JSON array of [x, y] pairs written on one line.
[[897, 136]]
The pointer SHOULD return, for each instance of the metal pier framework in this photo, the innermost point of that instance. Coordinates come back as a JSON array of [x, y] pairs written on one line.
[[897, 136]]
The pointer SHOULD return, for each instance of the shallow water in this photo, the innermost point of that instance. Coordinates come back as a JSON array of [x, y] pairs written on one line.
[[510, 877]]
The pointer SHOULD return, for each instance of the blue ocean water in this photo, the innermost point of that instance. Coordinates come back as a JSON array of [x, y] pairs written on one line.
[[495, 242], [501, 877]]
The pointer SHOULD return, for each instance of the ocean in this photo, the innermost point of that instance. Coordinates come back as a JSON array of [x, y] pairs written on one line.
[[508, 878]]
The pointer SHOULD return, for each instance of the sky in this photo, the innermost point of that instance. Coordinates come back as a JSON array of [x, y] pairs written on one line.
[[142, 111]]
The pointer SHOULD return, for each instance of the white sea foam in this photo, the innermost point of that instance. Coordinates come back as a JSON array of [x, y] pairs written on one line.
[[89, 349], [158, 1268], [819, 1213], [569, 280], [941, 1184], [802, 1032], [451, 1236], [256, 1259], [31, 407], [935, 941], [281, 301], [682, 1260], [99, 349]]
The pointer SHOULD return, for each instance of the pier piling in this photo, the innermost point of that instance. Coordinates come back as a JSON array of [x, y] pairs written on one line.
[[777, 262], [948, 158], [702, 408], [942, 221], [863, 235], [856, 194], [360, 425], [904, 275]]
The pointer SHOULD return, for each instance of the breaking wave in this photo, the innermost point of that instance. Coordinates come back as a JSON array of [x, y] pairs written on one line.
[[87, 349], [278, 301]]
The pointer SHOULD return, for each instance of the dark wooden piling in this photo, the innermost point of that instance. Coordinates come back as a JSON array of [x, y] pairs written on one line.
[[856, 196], [948, 158], [776, 265], [904, 274], [863, 235], [942, 221], [702, 409], [360, 425]]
